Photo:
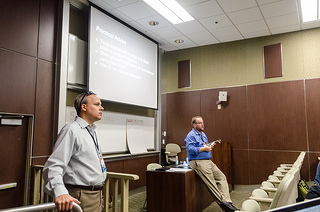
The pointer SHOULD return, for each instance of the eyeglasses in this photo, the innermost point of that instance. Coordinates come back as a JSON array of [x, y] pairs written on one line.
[[86, 94], [199, 123]]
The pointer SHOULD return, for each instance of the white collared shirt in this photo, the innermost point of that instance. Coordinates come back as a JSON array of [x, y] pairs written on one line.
[[74, 160]]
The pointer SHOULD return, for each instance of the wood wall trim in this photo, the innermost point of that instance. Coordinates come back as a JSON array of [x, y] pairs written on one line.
[[313, 113]]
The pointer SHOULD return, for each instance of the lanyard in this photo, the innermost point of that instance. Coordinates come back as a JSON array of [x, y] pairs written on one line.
[[95, 141], [94, 138], [204, 143]]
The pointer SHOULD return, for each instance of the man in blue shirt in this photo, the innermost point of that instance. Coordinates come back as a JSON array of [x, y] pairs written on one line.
[[199, 155]]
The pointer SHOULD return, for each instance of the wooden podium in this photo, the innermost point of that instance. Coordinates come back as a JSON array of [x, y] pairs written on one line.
[[185, 191], [176, 191]]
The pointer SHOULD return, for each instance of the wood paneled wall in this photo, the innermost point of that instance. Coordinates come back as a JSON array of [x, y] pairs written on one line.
[[28, 41], [28, 49], [133, 166], [266, 124]]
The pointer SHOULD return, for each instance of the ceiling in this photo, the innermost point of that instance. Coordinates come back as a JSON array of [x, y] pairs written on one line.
[[216, 21]]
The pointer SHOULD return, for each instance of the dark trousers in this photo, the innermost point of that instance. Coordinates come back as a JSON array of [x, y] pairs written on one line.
[[313, 192]]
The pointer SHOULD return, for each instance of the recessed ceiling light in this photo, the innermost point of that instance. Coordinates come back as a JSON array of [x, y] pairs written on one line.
[[153, 23], [179, 41]]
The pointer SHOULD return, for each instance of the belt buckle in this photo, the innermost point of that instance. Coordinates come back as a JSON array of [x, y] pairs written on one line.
[[96, 187]]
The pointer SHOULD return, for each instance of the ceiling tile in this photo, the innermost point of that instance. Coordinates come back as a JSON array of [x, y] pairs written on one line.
[[138, 27], [186, 3], [169, 48], [247, 15], [101, 4], [215, 22], [229, 38], [207, 42], [226, 33], [235, 5], [279, 8], [254, 26], [136, 10], [167, 32], [120, 16], [256, 34], [285, 20], [189, 27], [262, 2], [202, 36], [116, 4], [205, 9], [285, 29]]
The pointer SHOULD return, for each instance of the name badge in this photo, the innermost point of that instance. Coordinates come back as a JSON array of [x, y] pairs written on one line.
[[103, 165]]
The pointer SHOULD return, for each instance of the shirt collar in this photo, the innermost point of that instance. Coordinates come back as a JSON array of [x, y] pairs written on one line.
[[195, 131], [84, 124]]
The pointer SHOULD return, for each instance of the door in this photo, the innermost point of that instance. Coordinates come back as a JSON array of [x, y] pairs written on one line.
[[13, 159]]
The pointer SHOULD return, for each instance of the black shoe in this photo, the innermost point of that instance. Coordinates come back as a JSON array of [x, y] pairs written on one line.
[[228, 207]]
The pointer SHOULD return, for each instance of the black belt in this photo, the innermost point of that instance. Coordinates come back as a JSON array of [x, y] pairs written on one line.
[[198, 159], [89, 188]]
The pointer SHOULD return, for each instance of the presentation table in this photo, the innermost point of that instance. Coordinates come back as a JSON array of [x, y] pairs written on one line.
[[176, 191]]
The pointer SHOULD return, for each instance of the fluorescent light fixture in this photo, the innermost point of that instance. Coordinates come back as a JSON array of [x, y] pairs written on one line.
[[171, 10], [309, 10], [178, 10]]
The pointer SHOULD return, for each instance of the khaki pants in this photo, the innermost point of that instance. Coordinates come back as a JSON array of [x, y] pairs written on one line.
[[214, 179], [91, 201]]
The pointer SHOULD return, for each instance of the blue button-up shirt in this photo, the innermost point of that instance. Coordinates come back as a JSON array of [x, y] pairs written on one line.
[[194, 141]]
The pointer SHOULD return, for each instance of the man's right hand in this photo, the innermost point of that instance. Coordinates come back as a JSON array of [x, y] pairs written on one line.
[[64, 202], [205, 148]]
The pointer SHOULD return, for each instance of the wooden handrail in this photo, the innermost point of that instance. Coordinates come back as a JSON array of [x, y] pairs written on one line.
[[124, 190], [40, 197]]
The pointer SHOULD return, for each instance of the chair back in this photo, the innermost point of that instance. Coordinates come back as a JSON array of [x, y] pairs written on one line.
[[172, 151], [250, 206], [280, 197], [153, 166]]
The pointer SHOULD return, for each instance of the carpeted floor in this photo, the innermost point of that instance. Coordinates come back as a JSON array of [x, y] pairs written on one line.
[[137, 199]]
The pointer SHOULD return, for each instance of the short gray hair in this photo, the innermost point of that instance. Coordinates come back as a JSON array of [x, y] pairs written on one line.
[[81, 99], [194, 119]]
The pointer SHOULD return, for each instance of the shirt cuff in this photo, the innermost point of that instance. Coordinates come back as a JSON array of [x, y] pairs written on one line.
[[60, 190]]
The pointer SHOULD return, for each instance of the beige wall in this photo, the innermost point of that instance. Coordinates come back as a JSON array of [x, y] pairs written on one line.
[[241, 62]]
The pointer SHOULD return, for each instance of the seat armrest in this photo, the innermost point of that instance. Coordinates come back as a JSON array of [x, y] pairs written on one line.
[[279, 175], [286, 165], [260, 199], [274, 181], [269, 189]]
